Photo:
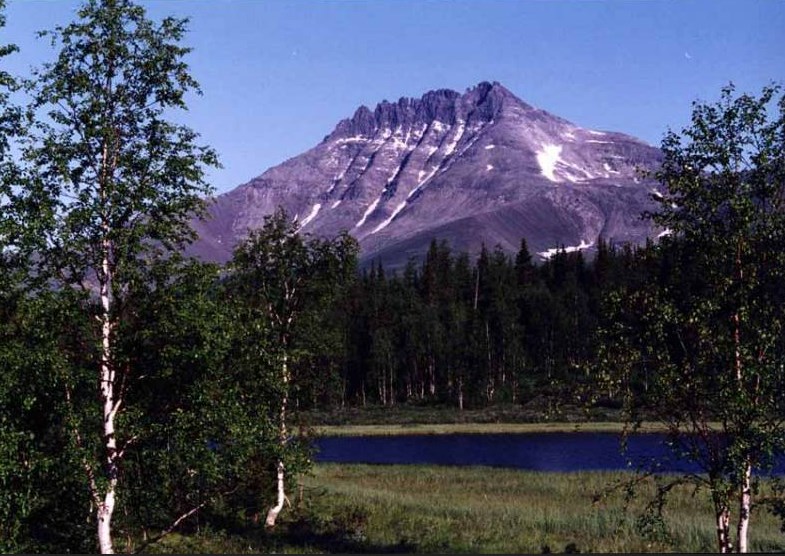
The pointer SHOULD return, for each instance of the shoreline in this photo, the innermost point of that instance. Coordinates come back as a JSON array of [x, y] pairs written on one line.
[[480, 428]]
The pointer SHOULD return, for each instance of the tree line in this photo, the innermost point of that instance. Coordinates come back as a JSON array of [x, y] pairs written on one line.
[[473, 333]]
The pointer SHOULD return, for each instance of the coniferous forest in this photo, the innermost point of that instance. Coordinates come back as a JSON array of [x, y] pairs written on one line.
[[142, 392], [472, 333]]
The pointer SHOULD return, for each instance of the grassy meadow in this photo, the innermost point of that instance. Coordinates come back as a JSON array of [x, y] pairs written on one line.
[[387, 509], [350, 508]]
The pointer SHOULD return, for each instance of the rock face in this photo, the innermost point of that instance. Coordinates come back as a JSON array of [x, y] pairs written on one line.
[[481, 167]]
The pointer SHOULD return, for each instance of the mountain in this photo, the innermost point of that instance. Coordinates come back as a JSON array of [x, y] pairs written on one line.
[[472, 168]]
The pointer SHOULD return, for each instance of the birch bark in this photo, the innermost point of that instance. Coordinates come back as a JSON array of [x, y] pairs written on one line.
[[745, 506], [272, 514], [106, 507], [723, 530]]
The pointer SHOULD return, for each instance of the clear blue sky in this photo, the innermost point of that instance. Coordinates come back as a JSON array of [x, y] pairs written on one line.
[[278, 75]]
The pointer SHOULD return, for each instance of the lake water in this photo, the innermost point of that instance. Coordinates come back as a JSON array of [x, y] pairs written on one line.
[[534, 451]]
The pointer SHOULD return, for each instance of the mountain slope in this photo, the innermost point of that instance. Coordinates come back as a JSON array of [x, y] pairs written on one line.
[[479, 167]]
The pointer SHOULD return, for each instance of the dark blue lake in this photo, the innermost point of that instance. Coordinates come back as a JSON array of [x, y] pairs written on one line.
[[533, 451]]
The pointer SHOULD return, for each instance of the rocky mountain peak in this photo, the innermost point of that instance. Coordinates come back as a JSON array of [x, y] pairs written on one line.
[[472, 168], [484, 102], [489, 100]]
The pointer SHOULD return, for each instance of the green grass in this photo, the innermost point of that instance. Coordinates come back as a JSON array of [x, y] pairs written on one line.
[[475, 509], [385, 509]]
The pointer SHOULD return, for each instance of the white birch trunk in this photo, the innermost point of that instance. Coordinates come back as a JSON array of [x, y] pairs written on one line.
[[272, 514], [110, 405], [391, 391], [104, 514], [490, 387], [745, 506], [723, 530], [745, 493], [432, 376]]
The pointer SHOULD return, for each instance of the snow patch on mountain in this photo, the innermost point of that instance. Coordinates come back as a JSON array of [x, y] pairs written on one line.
[[608, 168], [395, 213], [450, 148], [438, 126], [422, 181], [354, 139], [314, 211], [468, 145], [394, 174], [311, 216], [575, 174], [548, 253], [336, 181], [547, 159], [368, 212], [399, 141]]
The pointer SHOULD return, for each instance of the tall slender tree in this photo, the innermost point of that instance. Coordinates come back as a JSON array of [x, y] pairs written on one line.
[[283, 277], [111, 186], [711, 332]]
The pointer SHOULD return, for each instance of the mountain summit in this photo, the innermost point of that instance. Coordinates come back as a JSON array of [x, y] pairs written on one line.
[[472, 168]]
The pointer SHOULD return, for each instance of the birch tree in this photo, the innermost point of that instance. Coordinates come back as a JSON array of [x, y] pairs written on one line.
[[282, 277], [710, 333], [110, 187]]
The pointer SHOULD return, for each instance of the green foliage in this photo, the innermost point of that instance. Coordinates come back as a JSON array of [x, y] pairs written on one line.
[[104, 164], [196, 440], [36, 466], [286, 287], [282, 286], [20, 460], [706, 333], [106, 189], [477, 333]]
